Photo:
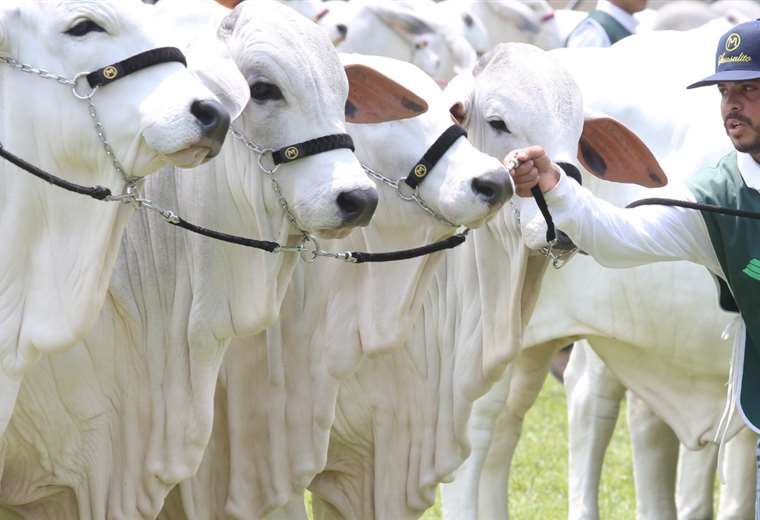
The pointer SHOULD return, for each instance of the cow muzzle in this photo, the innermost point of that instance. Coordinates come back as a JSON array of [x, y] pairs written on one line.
[[356, 207], [214, 121]]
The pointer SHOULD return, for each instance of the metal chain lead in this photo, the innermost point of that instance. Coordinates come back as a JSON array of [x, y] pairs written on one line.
[[398, 184], [130, 194], [101, 131], [261, 152], [23, 67], [99, 128]]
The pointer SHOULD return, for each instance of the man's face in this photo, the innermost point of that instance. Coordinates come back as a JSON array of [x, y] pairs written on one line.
[[740, 109]]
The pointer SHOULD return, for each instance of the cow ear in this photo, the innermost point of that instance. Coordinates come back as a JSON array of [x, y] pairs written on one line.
[[458, 93], [405, 22], [230, 4], [610, 151], [375, 98], [210, 60], [464, 54]]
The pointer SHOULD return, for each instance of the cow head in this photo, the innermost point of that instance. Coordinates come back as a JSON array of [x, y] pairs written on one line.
[[298, 93], [158, 115]]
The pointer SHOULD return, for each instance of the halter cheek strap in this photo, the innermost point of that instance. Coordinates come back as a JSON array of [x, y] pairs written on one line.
[[420, 170], [111, 73]]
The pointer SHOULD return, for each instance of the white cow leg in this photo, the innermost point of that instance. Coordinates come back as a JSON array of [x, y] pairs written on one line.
[[655, 459], [460, 498], [737, 494], [528, 376], [295, 509], [593, 402], [696, 474]]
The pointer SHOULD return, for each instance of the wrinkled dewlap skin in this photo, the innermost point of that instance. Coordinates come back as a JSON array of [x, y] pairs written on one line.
[[106, 429], [265, 451]]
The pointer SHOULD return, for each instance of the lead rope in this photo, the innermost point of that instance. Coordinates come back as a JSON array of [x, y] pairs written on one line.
[[308, 249]]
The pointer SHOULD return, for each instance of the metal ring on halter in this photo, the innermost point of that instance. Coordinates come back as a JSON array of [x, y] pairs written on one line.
[[75, 84], [262, 153], [400, 184], [309, 255]]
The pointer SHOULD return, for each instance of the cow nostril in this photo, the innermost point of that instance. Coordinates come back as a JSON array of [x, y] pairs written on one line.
[[356, 207], [214, 121], [342, 29], [493, 188]]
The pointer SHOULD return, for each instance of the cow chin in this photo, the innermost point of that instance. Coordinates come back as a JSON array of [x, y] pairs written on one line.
[[190, 157], [330, 234]]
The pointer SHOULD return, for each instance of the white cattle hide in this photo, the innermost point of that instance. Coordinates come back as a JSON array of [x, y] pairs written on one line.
[[527, 21], [60, 247], [559, 317], [266, 450], [412, 31], [105, 430]]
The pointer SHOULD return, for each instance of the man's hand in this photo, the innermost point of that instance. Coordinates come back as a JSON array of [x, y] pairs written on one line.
[[535, 168]]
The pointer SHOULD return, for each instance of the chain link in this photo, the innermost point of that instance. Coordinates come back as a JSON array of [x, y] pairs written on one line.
[[23, 67], [99, 128], [261, 152], [398, 184]]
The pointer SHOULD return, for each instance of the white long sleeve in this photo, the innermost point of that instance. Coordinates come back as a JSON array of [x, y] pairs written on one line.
[[618, 237]]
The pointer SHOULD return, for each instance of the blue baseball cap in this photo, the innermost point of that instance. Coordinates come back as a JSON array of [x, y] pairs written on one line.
[[738, 55]]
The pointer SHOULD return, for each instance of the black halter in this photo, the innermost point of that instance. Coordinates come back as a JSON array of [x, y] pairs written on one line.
[[294, 152], [143, 60], [433, 154]]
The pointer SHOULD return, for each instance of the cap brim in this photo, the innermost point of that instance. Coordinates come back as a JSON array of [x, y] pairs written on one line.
[[727, 75]]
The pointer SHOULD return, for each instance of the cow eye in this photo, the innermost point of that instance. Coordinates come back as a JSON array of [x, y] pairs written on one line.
[[499, 126], [84, 27], [261, 92], [468, 21]]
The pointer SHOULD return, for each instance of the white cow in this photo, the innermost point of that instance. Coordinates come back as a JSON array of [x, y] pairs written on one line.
[[105, 430], [528, 21], [689, 385], [339, 318], [401, 420], [60, 246], [413, 31]]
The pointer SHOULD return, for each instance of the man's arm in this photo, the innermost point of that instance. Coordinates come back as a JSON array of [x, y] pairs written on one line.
[[615, 237]]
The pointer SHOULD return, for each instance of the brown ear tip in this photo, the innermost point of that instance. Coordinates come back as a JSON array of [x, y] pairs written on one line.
[[231, 4]]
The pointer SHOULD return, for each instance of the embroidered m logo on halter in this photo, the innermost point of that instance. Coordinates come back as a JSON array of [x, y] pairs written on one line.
[[292, 153], [753, 269]]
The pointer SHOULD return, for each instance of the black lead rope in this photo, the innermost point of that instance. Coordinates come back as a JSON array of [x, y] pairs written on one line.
[[406, 254], [265, 245], [711, 208], [96, 192]]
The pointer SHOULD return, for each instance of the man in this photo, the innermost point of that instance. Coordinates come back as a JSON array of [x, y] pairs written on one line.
[[728, 246], [610, 22]]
